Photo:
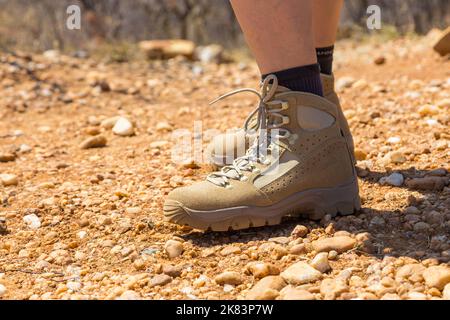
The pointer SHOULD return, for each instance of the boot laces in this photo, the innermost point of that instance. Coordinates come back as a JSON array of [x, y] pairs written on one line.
[[262, 145]]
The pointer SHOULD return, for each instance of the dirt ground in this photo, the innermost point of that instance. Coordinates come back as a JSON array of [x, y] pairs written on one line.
[[87, 223]]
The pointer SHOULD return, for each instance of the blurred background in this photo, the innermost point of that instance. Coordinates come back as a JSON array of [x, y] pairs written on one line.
[[40, 25]]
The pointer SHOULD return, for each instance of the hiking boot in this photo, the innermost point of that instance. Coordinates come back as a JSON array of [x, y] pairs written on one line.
[[298, 164], [226, 147]]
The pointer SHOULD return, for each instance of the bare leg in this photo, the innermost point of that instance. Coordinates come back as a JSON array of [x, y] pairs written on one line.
[[325, 21], [278, 32]]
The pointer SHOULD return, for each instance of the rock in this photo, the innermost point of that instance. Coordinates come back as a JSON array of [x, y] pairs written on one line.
[[3, 226], [440, 172], [445, 292], [74, 286], [339, 244], [377, 221], [109, 123], [166, 49], [394, 140], [320, 262], [210, 54], [299, 231], [280, 240], [266, 289], [9, 179], [390, 296], [230, 250], [395, 157], [163, 126], [2, 290], [333, 288], [360, 155], [421, 226], [228, 277], [437, 276], [343, 83], [300, 273], [129, 295], [442, 44], [292, 293], [133, 211], [173, 248], [379, 60], [262, 269], [428, 110], [93, 142], [427, 183], [172, 271], [298, 249], [412, 272], [7, 157], [160, 280], [32, 221], [123, 127], [395, 179], [412, 210]]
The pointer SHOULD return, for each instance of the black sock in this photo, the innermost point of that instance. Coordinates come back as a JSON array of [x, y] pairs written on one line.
[[325, 59], [305, 79]]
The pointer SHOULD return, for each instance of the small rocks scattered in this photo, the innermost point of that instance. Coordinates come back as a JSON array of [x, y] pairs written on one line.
[[262, 269], [437, 276], [299, 231], [160, 280], [7, 157]]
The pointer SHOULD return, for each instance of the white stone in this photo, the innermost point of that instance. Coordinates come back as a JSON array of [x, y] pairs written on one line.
[[320, 262], [74, 286], [8, 179], [395, 179], [32, 221], [2, 290], [393, 140], [123, 127]]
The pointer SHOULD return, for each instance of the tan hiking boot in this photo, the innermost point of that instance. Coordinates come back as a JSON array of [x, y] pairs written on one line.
[[226, 147], [299, 164]]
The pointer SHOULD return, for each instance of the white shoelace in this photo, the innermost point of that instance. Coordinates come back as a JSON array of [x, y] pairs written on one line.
[[262, 144]]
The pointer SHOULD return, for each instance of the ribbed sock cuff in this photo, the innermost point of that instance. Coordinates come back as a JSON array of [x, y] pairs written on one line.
[[304, 79]]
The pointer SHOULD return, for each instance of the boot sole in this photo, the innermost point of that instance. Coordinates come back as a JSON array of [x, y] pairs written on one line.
[[313, 204]]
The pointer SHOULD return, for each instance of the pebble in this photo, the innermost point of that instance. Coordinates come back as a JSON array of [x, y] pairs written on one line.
[[437, 276], [298, 249], [300, 273], [427, 183], [9, 179], [160, 280], [445, 292], [428, 110], [299, 231], [163, 126], [344, 82], [32, 221], [230, 250], [339, 244], [123, 127], [332, 288], [228, 277], [292, 293], [266, 289], [412, 272], [172, 271], [74, 286], [262, 269], [394, 179], [173, 248], [110, 122], [133, 211], [421, 226], [2, 290], [7, 157], [94, 142], [395, 157], [360, 155], [129, 295], [320, 262], [412, 210]]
